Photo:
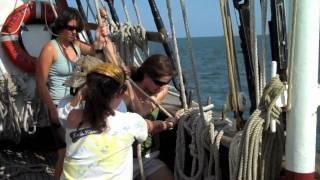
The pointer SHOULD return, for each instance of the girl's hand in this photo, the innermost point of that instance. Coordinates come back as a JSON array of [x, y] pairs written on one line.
[[171, 122], [102, 31], [101, 36], [78, 97]]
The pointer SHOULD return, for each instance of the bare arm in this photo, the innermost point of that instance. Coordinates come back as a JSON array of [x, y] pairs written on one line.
[[101, 41], [143, 107], [158, 126], [42, 71], [159, 97], [74, 118]]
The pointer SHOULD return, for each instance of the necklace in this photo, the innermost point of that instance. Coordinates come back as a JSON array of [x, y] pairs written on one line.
[[63, 51]]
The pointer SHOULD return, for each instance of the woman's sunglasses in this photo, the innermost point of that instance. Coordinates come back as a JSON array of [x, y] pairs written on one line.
[[160, 83], [72, 28]]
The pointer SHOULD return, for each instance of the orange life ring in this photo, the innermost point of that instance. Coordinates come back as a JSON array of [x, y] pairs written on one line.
[[10, 34]]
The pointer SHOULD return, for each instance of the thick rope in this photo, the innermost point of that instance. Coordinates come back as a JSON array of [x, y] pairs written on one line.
[[126, 11], [204, 146], [291, 53], [127, 39], [232, 70], [177, 57], [263, 41], [192, 59], [259, 153], [11, 120], [53, 9], [142, 42], [253, 48], [136, 10]]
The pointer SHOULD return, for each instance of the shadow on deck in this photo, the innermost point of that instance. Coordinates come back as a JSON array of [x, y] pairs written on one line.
[[33, 158]]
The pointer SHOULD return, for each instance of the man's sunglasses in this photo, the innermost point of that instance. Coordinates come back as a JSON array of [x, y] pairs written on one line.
[[160, 83], [72, 28]]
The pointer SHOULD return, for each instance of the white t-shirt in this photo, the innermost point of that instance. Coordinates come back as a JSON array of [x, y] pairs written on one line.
[[106, 155]]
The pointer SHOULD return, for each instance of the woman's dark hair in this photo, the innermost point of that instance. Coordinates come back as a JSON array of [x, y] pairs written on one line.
[[63, 19], [155, 66], [100, 92]]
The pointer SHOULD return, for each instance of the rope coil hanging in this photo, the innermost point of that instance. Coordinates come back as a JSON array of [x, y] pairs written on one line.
[[204, 145], [11, 120], [257, 153]]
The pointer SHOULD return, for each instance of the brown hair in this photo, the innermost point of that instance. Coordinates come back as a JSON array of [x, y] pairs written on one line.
[[104, 82], [155, 66], [63, 19]]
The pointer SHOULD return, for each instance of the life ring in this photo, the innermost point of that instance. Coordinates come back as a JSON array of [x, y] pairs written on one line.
[[27, 13]]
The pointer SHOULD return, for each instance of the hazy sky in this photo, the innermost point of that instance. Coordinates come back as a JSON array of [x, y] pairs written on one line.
[[204, 16]]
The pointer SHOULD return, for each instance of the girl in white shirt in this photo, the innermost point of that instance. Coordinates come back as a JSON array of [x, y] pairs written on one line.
[[98, 137]]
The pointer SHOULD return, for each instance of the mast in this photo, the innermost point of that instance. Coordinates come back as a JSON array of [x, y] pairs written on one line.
[[165, 43], [278, 37], [303, 90], [244, 33]]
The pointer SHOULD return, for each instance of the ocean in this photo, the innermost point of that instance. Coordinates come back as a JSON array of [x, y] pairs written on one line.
[[211, 65]]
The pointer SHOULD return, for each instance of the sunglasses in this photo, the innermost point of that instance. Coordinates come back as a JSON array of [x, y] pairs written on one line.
[[72, 28], [160, 83]]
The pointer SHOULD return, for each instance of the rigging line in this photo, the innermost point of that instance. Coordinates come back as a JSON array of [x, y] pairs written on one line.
[[87, 12], [263, 41], [291, 49], [91, 10], [110, 21], [192, 59], [113, 12], [225, 14], [136, 10], [85, 18], [98, 15], [162, 30], [236, 65], [253, 46], [198, 160], [232, 50], [53, 9], [140, 28], [177, 57], [46, 22], [126, 11]]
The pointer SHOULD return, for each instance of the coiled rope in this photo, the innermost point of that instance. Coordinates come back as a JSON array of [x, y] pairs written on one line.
[[258, 154], [204, 146], [11, 120]]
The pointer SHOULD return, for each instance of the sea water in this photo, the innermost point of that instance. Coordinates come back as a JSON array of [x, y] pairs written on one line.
[[211, 64]]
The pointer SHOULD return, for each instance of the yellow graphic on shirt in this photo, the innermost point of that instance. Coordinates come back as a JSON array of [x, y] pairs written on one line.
[[96, 154]]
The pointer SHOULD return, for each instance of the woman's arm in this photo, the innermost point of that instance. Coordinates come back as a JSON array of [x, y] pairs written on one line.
[[134, 103], [102, 43], [160, 96], [143, 107], [74, 118], [42, 70], [158, 126]]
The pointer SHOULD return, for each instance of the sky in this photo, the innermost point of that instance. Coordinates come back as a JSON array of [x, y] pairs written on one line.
[[204, 16]]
